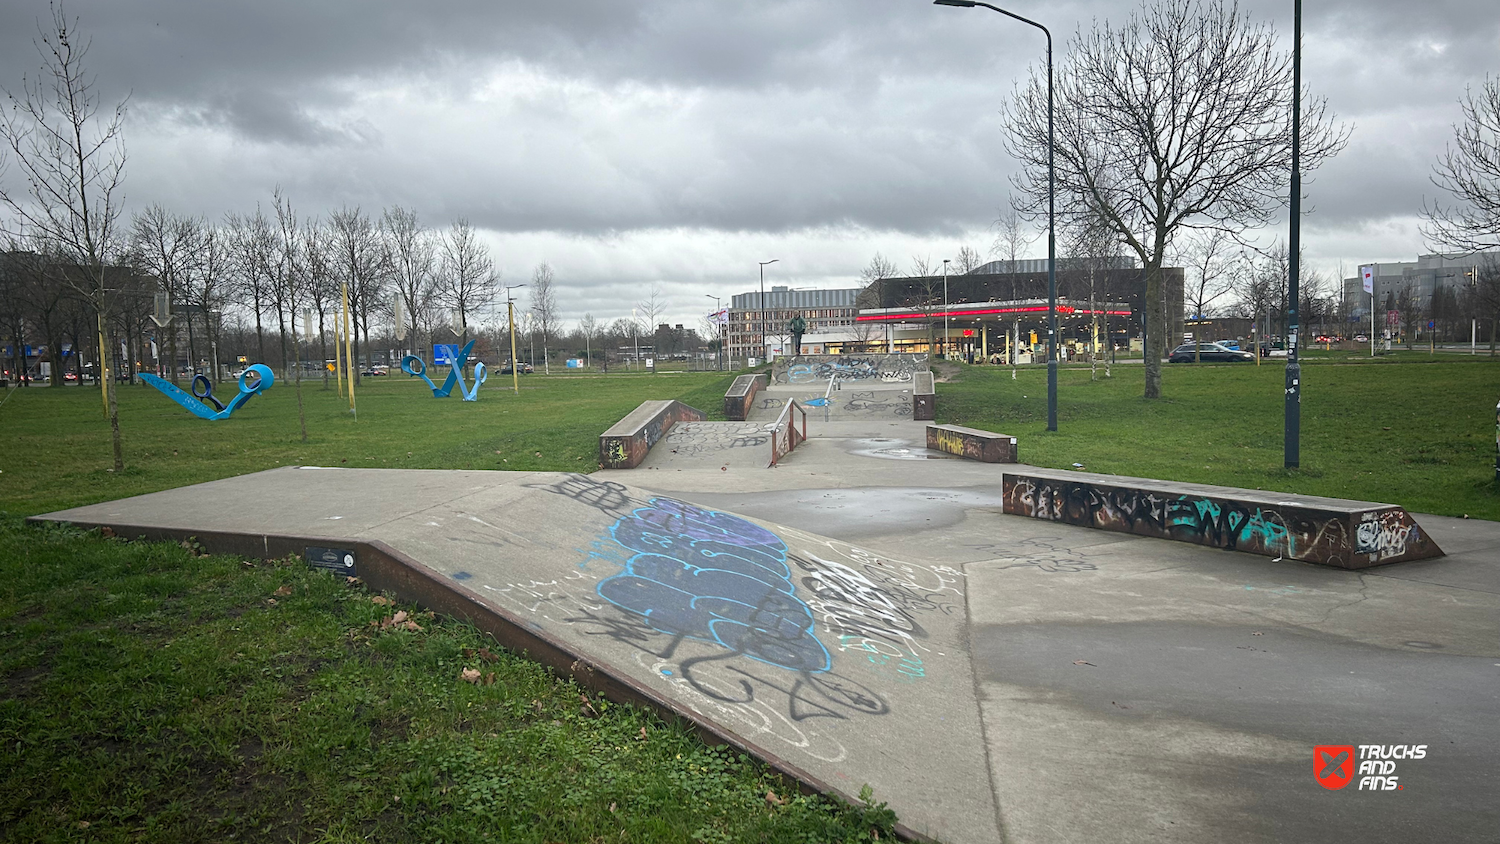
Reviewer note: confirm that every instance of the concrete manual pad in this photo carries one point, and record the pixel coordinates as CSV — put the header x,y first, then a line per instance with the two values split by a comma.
x,y
846,664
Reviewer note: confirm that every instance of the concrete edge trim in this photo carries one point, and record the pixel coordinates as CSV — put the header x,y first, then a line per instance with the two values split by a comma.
x,y
409,579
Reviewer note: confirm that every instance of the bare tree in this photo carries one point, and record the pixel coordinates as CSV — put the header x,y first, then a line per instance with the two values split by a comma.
x,y
1469,171
1176,119
72,161
288,276
543,306
651,308
1209,259
467,281
968,260
589,328
163,245
1012,236
873,296
251,238
362,266
322,283
413,258
1094,249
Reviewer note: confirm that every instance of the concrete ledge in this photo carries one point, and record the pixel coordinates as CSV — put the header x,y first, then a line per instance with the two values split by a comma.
x,y
984,446
388,570
1330,531
628,441
741,396
923,398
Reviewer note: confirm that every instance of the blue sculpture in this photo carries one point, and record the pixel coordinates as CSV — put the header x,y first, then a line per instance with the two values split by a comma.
x,y
253,380
413,365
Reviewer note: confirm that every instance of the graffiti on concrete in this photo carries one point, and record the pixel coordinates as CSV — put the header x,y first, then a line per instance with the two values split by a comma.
x,y
1283,530
607,497
717,578
807,369
1382,535
742,627
1046,554
694,438
878,403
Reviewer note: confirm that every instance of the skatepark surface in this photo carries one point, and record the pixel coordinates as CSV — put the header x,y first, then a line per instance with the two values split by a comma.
x,y
864,613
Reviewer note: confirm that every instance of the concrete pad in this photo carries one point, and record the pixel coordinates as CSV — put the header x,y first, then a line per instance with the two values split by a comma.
x,y
847,665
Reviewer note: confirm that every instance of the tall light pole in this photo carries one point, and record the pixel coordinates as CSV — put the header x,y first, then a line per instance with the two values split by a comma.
x,y
1292,444
1051,210
763,302
510,312
718,328
945,308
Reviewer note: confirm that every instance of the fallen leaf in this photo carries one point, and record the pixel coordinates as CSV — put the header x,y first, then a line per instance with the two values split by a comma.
x,y
413,627
271,601
773,800
1082,662
537,705
85,824
382,601
488,656
353,581
611,807
643,734
470,675
399,617
283,592
247,564
106,532
489,679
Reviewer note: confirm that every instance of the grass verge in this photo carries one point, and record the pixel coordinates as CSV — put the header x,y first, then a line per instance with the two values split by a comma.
x,y
152,694
1419,432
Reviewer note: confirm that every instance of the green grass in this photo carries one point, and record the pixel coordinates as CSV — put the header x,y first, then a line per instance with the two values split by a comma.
x,y
1409,428
57,452
151,694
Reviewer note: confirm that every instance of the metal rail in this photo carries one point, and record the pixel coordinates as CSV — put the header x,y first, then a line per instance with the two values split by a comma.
x,y
792,435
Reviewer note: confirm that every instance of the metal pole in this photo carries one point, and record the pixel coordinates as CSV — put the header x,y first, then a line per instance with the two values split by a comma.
x,y
1293,431
763,306
1051,209
510,316
945,309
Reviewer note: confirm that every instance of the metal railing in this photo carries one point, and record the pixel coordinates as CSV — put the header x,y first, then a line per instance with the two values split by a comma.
x,y
793,437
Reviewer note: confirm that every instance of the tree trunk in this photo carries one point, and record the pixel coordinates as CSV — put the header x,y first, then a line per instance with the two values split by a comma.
x,y
1156,333
322,349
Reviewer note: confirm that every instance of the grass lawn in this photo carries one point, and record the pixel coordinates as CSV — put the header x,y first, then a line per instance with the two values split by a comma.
x,y
1409,429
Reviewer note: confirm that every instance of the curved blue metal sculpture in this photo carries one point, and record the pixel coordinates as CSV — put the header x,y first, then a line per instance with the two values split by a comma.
x,y
413,365
253,380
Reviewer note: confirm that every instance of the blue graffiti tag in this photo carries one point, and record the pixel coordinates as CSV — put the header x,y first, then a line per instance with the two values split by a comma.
x,y
717,578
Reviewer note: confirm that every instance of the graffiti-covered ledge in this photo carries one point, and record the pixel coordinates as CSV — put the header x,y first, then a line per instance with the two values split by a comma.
x,y
628,441
1330,531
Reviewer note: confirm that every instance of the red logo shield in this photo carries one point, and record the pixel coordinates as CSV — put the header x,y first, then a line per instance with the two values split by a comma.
x,y
1333,765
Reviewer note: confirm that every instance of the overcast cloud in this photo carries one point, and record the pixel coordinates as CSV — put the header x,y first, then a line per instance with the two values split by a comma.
x,y
631,143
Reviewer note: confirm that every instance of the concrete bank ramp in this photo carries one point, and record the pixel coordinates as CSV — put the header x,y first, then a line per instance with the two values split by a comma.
x,y
850,403
838,665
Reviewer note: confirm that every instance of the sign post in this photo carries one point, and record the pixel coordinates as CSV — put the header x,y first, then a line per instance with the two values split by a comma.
x,y
1367,277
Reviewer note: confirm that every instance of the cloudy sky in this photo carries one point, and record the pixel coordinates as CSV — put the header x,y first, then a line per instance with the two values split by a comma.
x,y
679,142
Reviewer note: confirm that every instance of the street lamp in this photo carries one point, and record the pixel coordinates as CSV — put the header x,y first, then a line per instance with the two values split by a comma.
x,y
510,311
1291,446
1051,211
763,301
719,327
945,308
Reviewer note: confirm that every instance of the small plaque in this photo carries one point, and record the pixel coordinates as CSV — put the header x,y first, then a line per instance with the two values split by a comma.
x,y
339,560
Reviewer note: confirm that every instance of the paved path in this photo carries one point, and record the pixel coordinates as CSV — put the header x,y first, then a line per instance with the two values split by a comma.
x,y
864,613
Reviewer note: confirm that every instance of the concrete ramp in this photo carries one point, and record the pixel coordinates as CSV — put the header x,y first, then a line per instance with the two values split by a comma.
x,y
838,665
849,403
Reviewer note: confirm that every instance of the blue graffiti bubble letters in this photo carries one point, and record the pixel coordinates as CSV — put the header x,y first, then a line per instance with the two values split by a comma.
x,y
717,578
255,379
413,365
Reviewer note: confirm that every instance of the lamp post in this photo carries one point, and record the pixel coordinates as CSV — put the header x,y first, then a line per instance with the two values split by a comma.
x,y
510,316
1051,210
945,309
763,302
1291,447
718,328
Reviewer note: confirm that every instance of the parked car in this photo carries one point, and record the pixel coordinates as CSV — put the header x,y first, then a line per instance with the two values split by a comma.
x,y
507,368
1214,352
1361,338
375,370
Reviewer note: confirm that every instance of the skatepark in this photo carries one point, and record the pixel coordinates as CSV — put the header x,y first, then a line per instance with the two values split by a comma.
x,y
816,583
